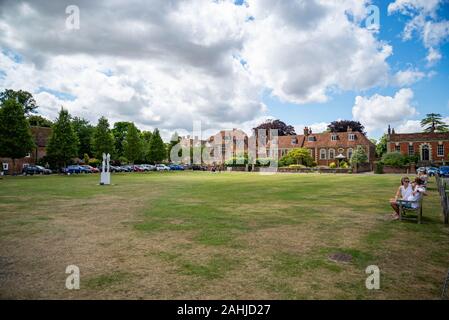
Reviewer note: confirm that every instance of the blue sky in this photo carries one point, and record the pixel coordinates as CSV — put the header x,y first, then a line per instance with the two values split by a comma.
x,y
430,95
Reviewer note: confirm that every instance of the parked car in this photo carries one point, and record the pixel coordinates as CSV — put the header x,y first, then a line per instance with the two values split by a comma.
x,y
431,171
138,168
196,167
32,169
149,167
162,167
90,169
126,168
73,169
443,171
115,169
176,167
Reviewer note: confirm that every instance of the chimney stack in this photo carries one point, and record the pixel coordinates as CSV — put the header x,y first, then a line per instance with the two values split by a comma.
x,y
389,129
306,131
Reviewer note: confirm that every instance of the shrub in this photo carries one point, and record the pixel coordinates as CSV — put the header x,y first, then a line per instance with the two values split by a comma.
x,y
123,160
297,166
379,168
332,165
236,162
359,156
344,165
395,159
297,156
264,162
94,162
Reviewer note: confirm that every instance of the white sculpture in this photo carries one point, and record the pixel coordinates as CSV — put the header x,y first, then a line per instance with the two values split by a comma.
x,y
105,170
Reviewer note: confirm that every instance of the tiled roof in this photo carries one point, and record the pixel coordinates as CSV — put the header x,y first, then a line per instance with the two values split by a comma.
x,y
425,136
323,140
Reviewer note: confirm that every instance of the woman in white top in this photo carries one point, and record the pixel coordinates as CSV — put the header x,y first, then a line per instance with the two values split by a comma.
x,y
404,192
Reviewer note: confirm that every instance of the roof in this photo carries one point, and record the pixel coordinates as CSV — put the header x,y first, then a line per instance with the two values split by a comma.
x,y
419,136
324,140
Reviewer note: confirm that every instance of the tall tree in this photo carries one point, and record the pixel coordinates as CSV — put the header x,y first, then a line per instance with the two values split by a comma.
x,y
39,121
63,142
132,146
24,98
119,131
157,151
85,132
146,138
343,125
15,135
103,141
283,129
433,122
381,146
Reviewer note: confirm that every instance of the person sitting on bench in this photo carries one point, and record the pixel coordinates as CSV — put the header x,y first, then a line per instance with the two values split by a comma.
x,y
405,190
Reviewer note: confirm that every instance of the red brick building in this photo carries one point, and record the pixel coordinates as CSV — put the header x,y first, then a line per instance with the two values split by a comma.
x,y
430,147
40,136
325,147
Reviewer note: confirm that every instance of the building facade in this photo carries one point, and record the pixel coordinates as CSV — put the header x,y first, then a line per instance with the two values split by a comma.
x,y
327,147
41,136
429,147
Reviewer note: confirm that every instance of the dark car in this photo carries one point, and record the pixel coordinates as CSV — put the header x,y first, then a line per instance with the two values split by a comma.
x,y
432,171
127,168
115,169
73,169
443,171
196,167
176,167
32,169
137,168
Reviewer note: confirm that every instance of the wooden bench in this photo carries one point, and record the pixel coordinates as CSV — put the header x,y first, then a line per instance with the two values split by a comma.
x,y
404,209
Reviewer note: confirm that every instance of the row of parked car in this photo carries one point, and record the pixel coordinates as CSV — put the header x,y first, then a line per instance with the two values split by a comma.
x,y
77,169
433,171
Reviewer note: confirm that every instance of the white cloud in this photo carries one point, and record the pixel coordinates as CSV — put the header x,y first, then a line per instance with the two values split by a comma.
x,y
407,77
377,111
432,30
409,126
173,62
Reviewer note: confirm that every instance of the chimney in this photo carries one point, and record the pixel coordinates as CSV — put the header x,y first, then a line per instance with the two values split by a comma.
x,y
389,129
306,131
392,131
310,130
349,129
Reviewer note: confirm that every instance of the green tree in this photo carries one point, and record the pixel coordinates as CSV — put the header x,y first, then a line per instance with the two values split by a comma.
x,y
157,151
359,156
297,156
119,131
381,146
132,146
16,140
433,122
39,121
146,138
63,142
24,98
103,141
85,132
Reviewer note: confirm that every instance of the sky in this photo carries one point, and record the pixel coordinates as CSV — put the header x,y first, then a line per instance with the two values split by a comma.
x,y
230,64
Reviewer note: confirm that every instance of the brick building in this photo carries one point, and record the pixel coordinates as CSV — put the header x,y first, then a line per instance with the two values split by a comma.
x,y
228,144
430,147
40,136
326,147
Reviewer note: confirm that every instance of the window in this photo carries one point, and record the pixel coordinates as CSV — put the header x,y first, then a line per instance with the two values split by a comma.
x,y
397,148
28,155
411,151
322,154
331,154
294,141
311,138
351,137
334,137
440,150
350,153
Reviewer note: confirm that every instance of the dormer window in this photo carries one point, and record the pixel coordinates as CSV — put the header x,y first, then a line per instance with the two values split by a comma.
x,y
351,137
311,138
334,137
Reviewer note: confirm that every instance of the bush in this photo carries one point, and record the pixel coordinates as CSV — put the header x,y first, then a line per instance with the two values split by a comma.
x,y
395,159
332,165
264,162
94,162
123,160
379,168
344,165
297,156
236,162
359,156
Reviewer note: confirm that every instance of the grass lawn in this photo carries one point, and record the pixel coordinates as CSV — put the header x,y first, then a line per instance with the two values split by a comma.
x,y
197,235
